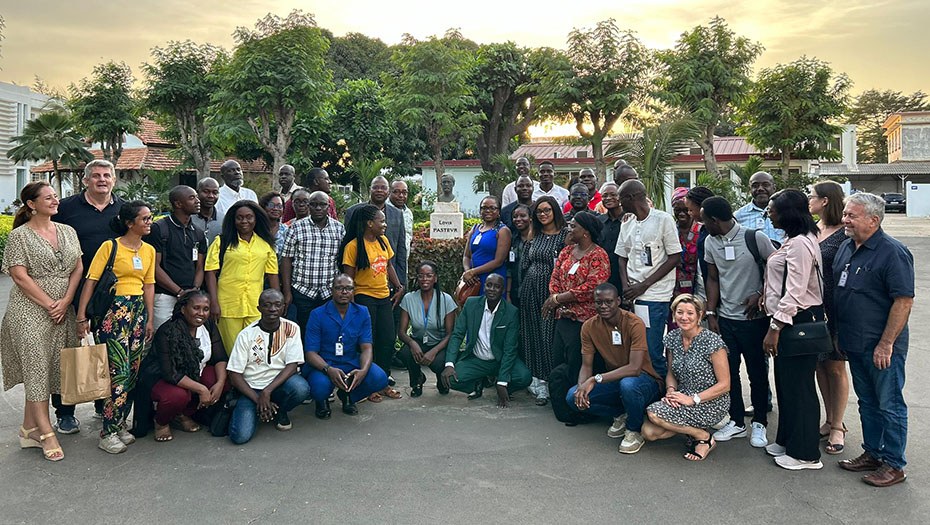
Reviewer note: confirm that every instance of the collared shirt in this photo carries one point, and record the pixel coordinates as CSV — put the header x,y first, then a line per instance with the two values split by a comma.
x,y
326,327
881,270
559,193
92,225
592,205
608,241
646,245
228,197
286,195
260,356
509,195
313,250
242,277
483,344
290,215
597,335
738,275
752,216
408,224
177,244
797,256
212,226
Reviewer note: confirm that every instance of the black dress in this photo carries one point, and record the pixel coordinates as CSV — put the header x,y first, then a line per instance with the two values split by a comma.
x,y
828,248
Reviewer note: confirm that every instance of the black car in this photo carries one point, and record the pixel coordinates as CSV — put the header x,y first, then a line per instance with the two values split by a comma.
x,y
894,202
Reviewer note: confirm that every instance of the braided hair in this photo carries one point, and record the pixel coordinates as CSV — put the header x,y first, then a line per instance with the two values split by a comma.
x,y
186,354
355,230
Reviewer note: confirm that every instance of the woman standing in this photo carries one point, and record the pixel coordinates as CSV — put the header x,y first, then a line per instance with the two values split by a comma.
x,y
430,312
518,242
273,204
371,268
127,324
538,261
826,201
793,287
688,234
488,245
579,269
44,260
237,264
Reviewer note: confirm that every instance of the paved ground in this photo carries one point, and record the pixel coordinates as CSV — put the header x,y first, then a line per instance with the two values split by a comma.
x,y
444,459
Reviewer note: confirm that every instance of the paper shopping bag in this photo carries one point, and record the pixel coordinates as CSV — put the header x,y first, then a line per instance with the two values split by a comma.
x,y
85,374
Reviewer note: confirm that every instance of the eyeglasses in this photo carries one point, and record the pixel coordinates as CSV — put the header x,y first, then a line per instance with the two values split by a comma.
x,y
425,276
343,289
488,208
379,188
148,219
275,206
544,211
302,201
813,196
580,194
603,302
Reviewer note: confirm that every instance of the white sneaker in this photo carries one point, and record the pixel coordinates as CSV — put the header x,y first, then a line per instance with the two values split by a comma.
x,y
730,431
758,438
618,428
788,462
774,449
632,442
112,444
124,436
722,423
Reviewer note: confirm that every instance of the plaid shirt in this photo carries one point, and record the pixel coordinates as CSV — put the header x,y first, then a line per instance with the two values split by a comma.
x,y
314,251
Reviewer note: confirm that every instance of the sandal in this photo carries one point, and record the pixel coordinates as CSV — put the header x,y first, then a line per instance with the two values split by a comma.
x,y
54,454
163,433
391,393
185,423
825,435
375,398
542,401
694,445
836,448
25,441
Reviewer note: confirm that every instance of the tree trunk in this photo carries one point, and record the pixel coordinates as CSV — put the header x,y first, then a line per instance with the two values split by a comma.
x,y
706,142
203,165
785,161
57,175
280,159
600,167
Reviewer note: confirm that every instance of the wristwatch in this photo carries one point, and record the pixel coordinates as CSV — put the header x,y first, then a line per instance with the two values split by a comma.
x,y
774,326
325,369
710,312
598,378
697,399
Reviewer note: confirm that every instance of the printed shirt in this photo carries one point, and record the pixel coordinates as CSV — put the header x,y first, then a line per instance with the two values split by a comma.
x,y
371,281
260,356
592,270
242,277
313,250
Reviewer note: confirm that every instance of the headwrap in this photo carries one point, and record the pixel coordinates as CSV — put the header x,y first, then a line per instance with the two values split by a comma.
x,y
589,222
679,194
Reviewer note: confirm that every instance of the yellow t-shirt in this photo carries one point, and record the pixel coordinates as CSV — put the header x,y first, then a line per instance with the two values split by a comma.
x,y
372,281
129,280
243,275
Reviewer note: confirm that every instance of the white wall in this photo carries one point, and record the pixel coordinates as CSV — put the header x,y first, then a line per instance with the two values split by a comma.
x,y
469,201
17,105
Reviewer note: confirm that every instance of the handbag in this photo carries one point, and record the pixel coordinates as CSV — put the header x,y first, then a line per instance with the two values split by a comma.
x,y
102,297
85,373
808,333
219,425
464,290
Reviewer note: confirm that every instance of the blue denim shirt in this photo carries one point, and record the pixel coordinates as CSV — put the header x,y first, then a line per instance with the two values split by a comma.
x,y
752,216
326,326
878,272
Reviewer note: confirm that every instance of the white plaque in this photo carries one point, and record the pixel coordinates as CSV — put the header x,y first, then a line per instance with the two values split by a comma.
x,y
446,225
446,207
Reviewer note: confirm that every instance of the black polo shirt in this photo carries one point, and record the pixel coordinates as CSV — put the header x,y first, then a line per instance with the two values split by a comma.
x,y
608,242
176,244
92,225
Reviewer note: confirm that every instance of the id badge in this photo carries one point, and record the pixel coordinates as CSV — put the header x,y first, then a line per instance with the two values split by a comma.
x,y
729,253
477,240
194,253
425,338
573,269
684,283
137,263
646,256
615,337
513,256
338,349
843,277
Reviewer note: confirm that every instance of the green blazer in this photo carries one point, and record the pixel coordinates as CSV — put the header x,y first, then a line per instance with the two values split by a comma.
x,y
505,334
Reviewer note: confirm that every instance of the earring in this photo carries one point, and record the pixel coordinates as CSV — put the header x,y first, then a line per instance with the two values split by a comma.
x,y
34,212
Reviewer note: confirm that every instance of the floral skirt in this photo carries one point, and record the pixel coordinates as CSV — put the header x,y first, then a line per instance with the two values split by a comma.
x,y
122,329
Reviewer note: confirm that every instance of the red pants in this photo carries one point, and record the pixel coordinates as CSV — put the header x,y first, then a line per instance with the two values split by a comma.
x,y
173,400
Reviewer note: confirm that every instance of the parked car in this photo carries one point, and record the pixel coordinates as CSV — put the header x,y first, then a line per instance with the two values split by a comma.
x,y
894,202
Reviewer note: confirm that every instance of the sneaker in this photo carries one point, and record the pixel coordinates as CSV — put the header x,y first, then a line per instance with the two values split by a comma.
x,y
632,442
68,425
730,431
111,444
722,423
774,449
282,422
618,429
125,436
758,438
788,462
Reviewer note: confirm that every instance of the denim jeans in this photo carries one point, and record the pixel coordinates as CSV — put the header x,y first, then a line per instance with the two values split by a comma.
x,y
244,418
658,314
630,395
881,406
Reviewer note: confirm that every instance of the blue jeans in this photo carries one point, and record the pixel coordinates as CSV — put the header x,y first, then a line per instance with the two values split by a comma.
x,y
658,315
321,387
630,395
881,406
244,418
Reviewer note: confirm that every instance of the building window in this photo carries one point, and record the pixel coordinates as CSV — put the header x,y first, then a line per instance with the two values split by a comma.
x,y
21,179
581,154
682,179
556,155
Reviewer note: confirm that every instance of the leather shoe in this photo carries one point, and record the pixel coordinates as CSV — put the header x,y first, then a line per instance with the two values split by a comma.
x,y
864,462
479,390
416,391
322,410
885,476
348,407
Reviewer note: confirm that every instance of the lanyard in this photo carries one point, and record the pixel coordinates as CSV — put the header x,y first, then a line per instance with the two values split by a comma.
x,y
426,311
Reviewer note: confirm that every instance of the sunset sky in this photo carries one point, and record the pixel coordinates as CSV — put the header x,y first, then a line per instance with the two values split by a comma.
x,y
879,44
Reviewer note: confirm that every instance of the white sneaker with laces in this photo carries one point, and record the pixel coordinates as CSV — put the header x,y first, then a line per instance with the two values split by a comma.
x,y
730,431
124,436
632,442
722,423
774,449
758,438
618,428
789,463
112,444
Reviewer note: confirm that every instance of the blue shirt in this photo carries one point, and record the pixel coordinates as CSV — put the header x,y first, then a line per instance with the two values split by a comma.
x,y
326,327
878,272
752,216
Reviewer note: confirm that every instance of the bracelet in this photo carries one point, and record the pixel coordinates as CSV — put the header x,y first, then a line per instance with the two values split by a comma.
x,y
325,369
555,298
79,321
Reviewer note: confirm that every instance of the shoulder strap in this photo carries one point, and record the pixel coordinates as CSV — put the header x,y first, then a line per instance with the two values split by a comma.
x,y
112,256
753,247
784,277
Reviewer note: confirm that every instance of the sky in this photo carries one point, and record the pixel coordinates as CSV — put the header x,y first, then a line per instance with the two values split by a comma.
x,y
879,43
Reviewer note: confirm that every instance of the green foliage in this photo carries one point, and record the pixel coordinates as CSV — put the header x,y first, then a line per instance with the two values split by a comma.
x,y
152,187
496,180
50,136
791,107
103,109
364,171
361,119
6,226
869,112
744,171
446,253
357,57
723,187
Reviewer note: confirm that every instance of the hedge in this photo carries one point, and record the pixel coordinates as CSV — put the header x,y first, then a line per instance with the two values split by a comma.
x,y
6,224
446,253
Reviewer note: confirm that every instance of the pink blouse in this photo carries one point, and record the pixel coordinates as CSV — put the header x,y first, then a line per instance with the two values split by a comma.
x,y
802,288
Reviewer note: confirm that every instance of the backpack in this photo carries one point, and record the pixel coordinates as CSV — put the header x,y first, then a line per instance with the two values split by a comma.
x,y
750,238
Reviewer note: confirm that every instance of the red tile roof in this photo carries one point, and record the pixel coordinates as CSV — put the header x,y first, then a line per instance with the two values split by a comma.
x,y
150,133
158,159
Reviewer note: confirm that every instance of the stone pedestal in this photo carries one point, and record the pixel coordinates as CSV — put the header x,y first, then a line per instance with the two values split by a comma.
x,y
446,207
446,225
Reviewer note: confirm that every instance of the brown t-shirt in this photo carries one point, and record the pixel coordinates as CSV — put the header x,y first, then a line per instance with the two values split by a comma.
x,y
597,335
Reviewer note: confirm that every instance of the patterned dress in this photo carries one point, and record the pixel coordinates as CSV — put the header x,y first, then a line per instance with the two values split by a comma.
x,y
695,373
536,332
828,248
30,342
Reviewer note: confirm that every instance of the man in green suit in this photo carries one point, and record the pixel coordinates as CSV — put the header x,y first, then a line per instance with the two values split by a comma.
x,y
491,329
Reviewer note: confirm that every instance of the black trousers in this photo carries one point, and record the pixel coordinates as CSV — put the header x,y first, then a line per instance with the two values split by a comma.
x,y
798,406
305,305
62,410
382,329
566,344
413,368
744,339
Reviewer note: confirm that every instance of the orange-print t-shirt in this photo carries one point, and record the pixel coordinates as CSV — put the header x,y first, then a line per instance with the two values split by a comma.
x,y
371,281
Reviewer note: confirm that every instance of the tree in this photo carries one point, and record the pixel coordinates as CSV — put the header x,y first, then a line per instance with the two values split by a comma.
x,y
178,87
356,57
103,109
50,136
276,70
361,119
745,171
601,74
707,75
870,111
791,106
431,91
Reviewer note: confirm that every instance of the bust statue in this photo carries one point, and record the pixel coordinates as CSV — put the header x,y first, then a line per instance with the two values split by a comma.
x,y
446,185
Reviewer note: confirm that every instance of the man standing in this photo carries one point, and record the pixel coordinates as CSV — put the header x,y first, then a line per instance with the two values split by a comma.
x,y
612,220
734,285
874,293
752,215
209,219
286,176
89,213
396,233
524,189
308,258
318,180
587,177
232,190
509,194
647,251
491,328
547,187
398,200
180,248
578,201
629,383
263,368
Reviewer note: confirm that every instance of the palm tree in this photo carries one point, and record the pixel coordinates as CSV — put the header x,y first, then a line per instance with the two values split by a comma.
x,y
50,136
744,171
651,152
365,171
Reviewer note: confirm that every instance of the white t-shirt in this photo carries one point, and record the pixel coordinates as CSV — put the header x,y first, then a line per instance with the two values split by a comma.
x,y
260,362
646,245
559,193
228,197
206,346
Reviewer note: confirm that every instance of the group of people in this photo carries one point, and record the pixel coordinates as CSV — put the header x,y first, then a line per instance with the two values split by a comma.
x,y
590,298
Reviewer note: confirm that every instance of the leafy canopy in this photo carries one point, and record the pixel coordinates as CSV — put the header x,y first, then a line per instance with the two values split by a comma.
x,y
103,108
50,136
869,112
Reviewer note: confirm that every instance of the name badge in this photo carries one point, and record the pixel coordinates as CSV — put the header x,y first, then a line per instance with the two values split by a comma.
x,y
194,253
615,337
425,338
843,277
513,256
573,269
339,348
477,240
729,253
684,284
646,256
137,263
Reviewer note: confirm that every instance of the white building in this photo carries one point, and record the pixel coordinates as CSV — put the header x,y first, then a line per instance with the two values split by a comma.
x,y
18,104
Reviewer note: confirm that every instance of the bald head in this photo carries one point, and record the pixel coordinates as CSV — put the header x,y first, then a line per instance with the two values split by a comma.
x,y
633,196
624,172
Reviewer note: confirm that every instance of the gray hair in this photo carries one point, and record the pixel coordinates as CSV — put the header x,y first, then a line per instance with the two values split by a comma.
x,y
89,168
206,180
873,204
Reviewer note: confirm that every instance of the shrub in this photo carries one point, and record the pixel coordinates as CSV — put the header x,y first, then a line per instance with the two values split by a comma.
x,y
446,253
6,224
